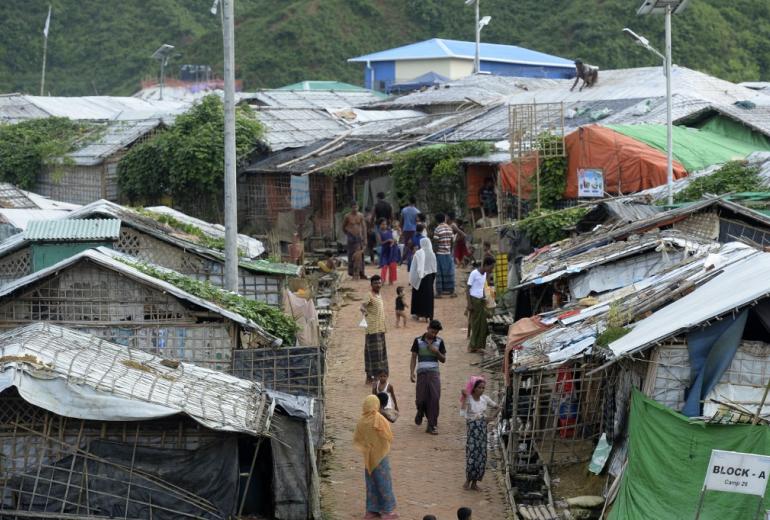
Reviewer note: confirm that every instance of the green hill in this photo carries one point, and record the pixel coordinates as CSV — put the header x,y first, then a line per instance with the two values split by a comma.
x,y
99,46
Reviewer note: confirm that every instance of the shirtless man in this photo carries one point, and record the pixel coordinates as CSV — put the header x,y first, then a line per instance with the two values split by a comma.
x,y
354,227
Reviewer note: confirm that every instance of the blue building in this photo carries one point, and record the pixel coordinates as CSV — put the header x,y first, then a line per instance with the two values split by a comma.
x,y
454,60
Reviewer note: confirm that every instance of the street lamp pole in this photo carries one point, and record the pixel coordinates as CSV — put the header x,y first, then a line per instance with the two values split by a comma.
x,y
669,116
231,201
477,59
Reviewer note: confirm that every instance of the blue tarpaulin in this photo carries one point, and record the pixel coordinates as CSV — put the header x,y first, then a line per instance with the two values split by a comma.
x,y
711,351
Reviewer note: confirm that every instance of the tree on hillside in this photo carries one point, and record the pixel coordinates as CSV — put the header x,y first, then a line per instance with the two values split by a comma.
x,y
186,162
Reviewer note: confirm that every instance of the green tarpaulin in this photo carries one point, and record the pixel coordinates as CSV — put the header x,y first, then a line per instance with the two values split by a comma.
x,y
667,459
695,149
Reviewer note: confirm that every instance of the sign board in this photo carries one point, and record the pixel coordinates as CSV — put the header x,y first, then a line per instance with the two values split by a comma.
x,y
590,182
737,472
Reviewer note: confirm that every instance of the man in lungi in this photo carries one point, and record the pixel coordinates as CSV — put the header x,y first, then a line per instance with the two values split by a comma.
x,y
477,304
445,276
375,351
428,351
354,227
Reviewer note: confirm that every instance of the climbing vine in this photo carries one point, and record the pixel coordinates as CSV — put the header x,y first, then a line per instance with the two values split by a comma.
x,y
351,165
26,147
553,171
434,170
186,162
546,227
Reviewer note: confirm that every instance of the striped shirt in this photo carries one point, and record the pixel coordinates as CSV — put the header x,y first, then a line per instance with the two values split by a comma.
x,y
443,236
427,361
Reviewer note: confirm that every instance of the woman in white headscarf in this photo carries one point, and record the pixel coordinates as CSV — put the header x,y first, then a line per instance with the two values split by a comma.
x,y
422,274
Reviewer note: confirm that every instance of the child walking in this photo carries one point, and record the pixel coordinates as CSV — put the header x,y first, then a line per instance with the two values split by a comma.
x,y
400,306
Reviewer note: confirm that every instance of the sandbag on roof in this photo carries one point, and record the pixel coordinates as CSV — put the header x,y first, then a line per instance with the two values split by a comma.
x,y
695,148
629,165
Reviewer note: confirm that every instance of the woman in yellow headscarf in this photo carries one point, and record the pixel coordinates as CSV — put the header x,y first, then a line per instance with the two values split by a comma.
x,y
372,438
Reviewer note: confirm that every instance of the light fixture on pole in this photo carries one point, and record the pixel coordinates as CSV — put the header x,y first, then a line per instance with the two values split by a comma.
x,y
162,55
477,58
667,8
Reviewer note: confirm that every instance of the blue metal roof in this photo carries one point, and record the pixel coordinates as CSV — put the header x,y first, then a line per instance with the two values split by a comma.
x,y
440,48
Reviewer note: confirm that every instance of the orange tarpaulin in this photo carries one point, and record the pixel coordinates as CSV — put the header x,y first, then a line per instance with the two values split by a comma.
x,y
508,172
475,175
512,171
629,165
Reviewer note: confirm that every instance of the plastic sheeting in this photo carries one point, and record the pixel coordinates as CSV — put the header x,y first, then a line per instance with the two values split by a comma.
x,y
122,470
695,149
629,165
711,351
623,273
294,490
79,401
667,461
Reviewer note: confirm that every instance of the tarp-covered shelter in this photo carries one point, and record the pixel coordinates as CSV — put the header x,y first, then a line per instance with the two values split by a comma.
x,y
629,165
92,429
667,461
698,148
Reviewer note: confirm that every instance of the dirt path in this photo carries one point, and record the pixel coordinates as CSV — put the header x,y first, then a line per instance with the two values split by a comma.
x,y
428,471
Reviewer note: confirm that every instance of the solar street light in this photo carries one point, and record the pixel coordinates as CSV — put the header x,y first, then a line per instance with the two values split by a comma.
x,y
642,42
667,8
477,59
484,22
661,6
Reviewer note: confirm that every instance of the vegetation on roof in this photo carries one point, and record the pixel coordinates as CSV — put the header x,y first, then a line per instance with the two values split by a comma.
x,y
26,147
186,162
272,319
546,226
735,176
190,229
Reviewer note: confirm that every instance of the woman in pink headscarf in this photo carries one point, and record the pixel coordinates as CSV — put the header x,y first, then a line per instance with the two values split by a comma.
x,y
473,406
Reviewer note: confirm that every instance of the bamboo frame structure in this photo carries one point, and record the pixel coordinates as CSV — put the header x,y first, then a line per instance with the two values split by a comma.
x,y
49,470
555,418
527,122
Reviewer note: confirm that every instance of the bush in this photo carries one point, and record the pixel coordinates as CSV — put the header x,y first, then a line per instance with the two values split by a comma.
x,y
187,161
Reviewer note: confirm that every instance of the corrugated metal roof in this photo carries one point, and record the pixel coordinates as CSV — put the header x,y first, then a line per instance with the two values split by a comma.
x,y
741,283
20,218
112,138
216,400
329,85
573,335
323,99
642,83
293,127
442,48
66,229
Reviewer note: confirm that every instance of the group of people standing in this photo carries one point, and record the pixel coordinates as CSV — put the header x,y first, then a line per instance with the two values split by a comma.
x,y
373,435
